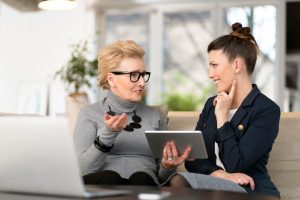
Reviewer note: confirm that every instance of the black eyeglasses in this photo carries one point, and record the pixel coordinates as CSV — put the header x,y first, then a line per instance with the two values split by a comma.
x,y
135,76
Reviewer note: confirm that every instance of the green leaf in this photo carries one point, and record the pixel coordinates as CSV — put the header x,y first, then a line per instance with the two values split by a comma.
x,y
78,71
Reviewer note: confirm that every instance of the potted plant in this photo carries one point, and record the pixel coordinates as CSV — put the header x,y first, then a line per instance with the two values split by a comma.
x,y
182,102
78,71
77,75
188,101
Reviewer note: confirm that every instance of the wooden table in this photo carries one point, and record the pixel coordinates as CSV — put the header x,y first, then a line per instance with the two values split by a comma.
x,y
175,194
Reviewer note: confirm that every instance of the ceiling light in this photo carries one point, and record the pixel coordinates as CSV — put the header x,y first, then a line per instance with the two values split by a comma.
x,y
57,4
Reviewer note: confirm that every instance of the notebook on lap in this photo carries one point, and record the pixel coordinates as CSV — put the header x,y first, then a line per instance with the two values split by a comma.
x,y
37,156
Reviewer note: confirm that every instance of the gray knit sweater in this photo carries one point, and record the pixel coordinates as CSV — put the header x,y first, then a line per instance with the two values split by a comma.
x,y
131,152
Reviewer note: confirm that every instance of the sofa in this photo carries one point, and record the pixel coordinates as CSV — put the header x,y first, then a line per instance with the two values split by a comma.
x,y
284,161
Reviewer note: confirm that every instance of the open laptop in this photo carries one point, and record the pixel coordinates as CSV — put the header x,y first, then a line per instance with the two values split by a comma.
x,y
37,156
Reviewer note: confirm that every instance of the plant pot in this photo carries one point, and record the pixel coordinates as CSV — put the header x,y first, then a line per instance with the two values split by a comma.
x,y
74,103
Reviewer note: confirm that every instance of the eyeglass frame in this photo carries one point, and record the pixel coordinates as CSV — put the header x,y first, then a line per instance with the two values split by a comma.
x,y
143,74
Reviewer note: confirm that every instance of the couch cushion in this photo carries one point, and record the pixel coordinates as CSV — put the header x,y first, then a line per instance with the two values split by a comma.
x,y
183,120
284,162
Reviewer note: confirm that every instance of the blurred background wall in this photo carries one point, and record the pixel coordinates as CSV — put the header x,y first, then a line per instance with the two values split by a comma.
x,y
35,43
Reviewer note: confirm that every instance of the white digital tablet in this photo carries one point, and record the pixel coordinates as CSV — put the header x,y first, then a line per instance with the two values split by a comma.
x,y
158,139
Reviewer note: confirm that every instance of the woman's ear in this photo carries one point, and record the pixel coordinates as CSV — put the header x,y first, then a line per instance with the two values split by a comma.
x,y
110,80
237,65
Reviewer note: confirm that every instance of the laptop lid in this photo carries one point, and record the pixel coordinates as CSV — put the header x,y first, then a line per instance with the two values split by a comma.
x,y
37,156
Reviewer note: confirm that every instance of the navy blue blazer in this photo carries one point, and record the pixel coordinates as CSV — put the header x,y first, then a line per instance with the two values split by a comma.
x,y
244,143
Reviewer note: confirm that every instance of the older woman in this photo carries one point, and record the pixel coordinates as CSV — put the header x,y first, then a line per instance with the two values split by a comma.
x,y
239,124
109,135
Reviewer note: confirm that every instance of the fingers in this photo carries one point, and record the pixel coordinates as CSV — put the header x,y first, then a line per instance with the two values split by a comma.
x,y
252,184
120,122
223,103
224,95
176,155
249,181
169,154
220,97
167,158
165,154
186,154
106,116
244,179
171,157
173,148
241,181
116,123
179,159
215,100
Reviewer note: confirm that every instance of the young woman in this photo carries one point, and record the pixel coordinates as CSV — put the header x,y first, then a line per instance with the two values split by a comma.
x,y
239,124
109,135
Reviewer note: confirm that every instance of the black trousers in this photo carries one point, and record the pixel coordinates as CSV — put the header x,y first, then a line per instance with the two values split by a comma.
x,y
109,177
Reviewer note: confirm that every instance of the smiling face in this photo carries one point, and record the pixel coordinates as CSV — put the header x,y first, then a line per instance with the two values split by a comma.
x,y
121,84
221,71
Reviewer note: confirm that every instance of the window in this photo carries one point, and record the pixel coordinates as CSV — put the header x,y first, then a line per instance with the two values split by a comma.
x,y
128,26
186,36
262,21
178,40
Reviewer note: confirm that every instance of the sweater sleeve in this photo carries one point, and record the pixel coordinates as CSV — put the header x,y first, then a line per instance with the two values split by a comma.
x,y
164,174
90,158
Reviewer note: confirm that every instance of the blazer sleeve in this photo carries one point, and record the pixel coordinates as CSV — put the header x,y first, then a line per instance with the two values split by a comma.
x,y
203,166
239,155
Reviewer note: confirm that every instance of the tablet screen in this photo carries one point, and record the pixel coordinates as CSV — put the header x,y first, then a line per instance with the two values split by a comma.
x,y
158,139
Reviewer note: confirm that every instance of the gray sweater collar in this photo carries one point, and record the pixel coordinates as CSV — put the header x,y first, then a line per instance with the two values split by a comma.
x,y
117,104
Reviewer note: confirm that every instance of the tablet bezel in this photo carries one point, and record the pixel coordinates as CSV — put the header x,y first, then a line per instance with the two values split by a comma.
x,y
158,138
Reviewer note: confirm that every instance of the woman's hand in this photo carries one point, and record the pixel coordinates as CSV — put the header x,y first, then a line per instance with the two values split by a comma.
x,y
115,123
238,178
223,103
171,158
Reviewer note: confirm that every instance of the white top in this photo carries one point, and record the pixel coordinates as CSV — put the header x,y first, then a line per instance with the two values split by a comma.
x,y
219,162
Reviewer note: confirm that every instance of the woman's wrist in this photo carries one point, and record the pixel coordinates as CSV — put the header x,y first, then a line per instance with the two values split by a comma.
x,y
221,120
168,167
101,146
219,173
107,136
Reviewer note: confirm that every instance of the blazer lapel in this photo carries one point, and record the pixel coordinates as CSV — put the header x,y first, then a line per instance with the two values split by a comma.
x,y
242,112
238,117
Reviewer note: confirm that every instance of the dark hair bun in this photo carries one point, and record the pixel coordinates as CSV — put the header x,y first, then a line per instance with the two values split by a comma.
x,y
237,27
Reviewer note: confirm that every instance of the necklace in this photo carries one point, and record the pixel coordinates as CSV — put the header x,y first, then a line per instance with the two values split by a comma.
x,y
133,125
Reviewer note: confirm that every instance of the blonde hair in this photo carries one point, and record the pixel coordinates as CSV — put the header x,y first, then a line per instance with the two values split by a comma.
x,y
110,57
